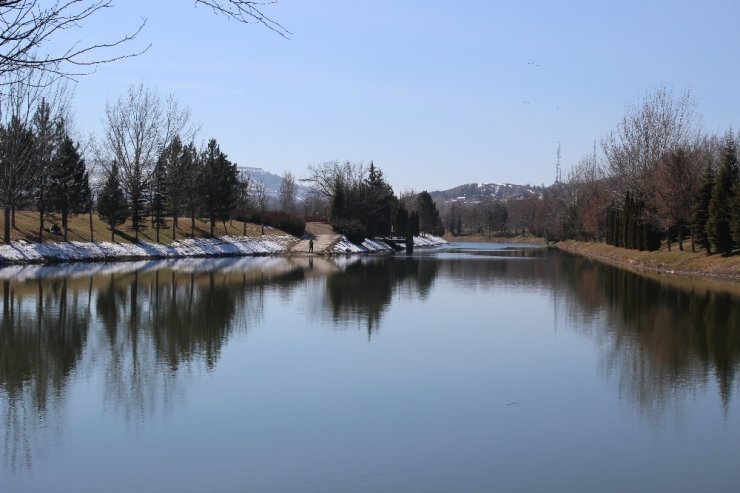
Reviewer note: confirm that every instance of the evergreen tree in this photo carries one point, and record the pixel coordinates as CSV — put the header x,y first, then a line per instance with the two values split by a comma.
x,y
337,209
70,182
158,195
429,221
402,222
735,214
137,199
219,184
46,141
720,206
700,210
377,203
112,206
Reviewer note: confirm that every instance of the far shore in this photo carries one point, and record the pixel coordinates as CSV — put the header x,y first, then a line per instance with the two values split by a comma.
x,y
485,238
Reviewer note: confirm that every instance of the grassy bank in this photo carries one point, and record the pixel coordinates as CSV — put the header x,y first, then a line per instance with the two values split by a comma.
x,y
674,262
484,238
27,228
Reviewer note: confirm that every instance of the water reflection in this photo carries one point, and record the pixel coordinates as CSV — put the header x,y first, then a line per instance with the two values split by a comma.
x,y
660,339
143,327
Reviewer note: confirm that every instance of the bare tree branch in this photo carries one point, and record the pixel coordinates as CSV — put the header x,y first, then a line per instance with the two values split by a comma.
x,y
247,12
27,28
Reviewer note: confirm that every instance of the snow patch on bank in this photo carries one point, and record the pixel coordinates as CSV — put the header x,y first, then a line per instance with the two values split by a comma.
x,y
19,252
376,246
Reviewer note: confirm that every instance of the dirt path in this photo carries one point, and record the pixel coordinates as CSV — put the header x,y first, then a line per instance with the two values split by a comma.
x,y
323,239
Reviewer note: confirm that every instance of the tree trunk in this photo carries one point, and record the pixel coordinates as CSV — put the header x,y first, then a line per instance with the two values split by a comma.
x,y
668,237
192,223
693,245
680,237
6,225
212,221
113,234
92,232
12,217
65,214
174,226
244,233
41,224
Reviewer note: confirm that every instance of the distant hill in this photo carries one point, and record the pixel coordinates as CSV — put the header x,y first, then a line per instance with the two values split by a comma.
x,y
273,182
476,192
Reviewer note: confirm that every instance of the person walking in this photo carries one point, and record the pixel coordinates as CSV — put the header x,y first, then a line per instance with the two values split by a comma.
x,y
310,245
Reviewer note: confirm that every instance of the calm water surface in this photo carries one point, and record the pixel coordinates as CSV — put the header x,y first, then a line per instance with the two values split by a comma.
x,y
473,368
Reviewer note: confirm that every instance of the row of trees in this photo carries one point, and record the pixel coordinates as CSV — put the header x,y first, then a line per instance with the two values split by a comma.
x,y
361,203
658,174
41,166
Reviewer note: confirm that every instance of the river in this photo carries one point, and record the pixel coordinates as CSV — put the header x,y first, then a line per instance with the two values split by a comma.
x,y
473,367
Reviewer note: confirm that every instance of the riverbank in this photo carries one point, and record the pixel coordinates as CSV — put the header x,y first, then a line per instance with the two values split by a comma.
x,y
674,262
277,243
484,238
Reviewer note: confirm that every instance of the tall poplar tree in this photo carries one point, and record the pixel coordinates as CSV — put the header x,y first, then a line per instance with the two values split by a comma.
x,y
720,206
700,210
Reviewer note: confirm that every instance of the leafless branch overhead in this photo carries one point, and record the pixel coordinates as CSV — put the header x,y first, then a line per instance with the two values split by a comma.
x,y
248,12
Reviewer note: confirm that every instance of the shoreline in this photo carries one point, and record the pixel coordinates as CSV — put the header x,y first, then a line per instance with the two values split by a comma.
x,y
675,263
24,252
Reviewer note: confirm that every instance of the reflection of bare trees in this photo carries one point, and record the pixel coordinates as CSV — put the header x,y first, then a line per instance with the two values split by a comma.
x,y
660,341
155,326
42,334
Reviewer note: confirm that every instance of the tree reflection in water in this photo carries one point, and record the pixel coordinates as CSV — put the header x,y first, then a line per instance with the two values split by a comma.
x,y
661,340
364,290
145,326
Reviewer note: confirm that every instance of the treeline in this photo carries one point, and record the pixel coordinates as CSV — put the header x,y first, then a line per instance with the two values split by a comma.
x,y
146,169
360,203
655,179
658,179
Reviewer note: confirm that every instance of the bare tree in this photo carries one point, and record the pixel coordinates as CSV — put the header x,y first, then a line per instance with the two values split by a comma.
x,y
244,202
19,167
260,195
137,127
659,124
287,193
27,28
325,177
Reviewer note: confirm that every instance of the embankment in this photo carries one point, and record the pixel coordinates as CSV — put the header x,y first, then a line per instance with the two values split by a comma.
x,y
674,262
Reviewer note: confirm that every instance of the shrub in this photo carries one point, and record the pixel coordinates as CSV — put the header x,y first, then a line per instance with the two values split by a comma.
x,y
352,229
289,223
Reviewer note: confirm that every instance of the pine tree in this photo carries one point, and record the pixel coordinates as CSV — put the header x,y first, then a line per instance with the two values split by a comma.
x,y
720,205
112,206
46,141
219,184
70,183
158,194
735,213
428,213
700,210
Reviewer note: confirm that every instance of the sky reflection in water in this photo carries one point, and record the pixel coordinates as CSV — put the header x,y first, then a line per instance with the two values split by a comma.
x,y
471,368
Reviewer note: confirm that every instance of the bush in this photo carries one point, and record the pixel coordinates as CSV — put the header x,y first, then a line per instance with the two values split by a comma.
x,y
352,229
289,223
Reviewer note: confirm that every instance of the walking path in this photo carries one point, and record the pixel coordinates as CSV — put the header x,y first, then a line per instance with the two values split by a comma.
x,y
323,239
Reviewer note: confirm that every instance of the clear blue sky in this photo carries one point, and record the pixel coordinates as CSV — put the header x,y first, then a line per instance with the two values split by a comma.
x,y
433,91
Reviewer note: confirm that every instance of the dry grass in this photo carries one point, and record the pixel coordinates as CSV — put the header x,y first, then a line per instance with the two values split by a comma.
x,y
484,238
664,261
27,228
